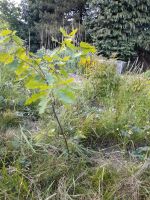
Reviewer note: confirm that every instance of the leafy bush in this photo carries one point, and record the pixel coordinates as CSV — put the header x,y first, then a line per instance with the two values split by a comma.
x,y
13,94
119,114
103,78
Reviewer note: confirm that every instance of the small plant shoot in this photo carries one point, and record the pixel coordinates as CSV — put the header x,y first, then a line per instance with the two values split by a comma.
x,y
45,75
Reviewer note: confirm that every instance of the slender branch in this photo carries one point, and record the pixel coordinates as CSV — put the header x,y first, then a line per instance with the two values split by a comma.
x,y
60,126
28,63
56,117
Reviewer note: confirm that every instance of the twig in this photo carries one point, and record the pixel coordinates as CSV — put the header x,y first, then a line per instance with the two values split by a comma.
x,y
60,126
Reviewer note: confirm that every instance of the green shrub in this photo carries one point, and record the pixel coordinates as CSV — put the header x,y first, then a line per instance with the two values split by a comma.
x,y
13,94
119,114
104,80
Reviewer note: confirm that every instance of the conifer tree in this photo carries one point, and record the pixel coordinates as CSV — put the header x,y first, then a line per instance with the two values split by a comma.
x,y
120,26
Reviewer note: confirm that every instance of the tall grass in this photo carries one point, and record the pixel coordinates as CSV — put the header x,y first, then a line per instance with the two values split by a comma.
x,y
108,132
34,170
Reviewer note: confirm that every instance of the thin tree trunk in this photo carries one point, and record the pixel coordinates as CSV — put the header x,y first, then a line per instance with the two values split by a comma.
x,y
61,129
29,40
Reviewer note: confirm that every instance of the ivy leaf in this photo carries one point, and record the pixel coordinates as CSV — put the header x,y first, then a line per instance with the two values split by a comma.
x,y
21,69
65,95
43,104
66,82
66,58
6,58
48,58
87,47
70,45
63,31
34,84
73,32
5,32
5,40
35,97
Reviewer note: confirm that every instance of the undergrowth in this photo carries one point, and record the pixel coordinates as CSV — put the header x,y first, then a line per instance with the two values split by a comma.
x,y
108,133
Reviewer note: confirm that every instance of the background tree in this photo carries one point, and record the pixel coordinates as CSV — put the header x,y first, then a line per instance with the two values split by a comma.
x,y
37,21
121,27
12,15
44,19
